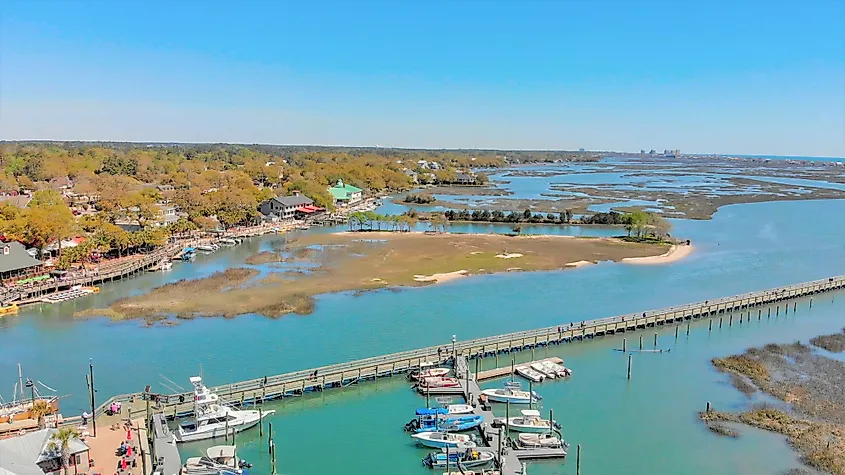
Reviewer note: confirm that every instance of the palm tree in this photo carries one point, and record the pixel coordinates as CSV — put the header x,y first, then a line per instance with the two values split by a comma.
x,y
39,410
61,441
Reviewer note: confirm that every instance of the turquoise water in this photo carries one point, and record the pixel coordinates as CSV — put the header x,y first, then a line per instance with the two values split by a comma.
x,y
645,426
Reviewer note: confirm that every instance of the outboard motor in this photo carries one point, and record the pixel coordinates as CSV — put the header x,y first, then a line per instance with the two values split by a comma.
x,y
412,425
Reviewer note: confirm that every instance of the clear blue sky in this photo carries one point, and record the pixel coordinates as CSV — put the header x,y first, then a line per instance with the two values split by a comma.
x,y
742,76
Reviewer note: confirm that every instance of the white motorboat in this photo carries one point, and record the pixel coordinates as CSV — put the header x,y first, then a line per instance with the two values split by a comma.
x,y
431,373
530,421
551,369
439,382
470,458
544,441
459,408
218,460
212,419
439,440
511,393
227,241
208,247
530,374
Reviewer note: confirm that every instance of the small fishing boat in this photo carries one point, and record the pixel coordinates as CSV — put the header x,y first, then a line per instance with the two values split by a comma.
x,y
459,408
74,293
530,374
9,309
430,373
551,369
440,440
208,247
218,460
429,420
530,421
228,241
474,472
540,441
162,266
511,393
470,458
439,382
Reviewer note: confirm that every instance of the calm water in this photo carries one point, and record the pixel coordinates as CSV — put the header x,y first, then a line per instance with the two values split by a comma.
x,y
645,426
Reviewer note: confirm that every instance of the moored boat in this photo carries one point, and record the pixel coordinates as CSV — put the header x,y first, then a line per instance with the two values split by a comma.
x,y
530,421
511,393
218,460
212,419
439,382
208,247
471,458
530,374
459,408
440,440
430,373
551,369
429,420
540,441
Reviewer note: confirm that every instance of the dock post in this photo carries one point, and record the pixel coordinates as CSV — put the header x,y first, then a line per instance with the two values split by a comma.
x,y
769,313
226,431
731,320
477,359
777,310
710,329
552,422
630,357
720,322
578,461
270,439
501,459
759,315
676,331
794,306
508,416
427,395
655,340
260,422
687,329
641,342
708,407
530,394
811,302
624,345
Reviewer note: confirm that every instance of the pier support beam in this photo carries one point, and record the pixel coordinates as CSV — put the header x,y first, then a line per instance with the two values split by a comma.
x,y
630,359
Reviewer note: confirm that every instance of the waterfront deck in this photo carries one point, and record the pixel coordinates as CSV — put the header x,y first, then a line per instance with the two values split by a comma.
x,y
757,305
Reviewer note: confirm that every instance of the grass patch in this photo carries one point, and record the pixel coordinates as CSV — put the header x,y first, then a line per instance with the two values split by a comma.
x,y
834,343
744,365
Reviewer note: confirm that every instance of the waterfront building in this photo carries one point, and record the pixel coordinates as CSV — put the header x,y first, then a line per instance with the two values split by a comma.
x,y
284,207
34,454
345,194
15,262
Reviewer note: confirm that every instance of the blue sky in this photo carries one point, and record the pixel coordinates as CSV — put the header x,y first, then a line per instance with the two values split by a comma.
x,y
743,76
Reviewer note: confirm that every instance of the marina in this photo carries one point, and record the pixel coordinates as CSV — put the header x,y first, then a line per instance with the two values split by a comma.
x,y
718,311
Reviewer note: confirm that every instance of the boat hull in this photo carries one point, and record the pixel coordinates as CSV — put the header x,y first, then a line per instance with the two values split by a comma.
x,y
219,431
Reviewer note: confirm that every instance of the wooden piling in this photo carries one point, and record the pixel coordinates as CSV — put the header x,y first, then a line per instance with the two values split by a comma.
x,y
731,320
759,315
260,422
720,322
769,313
655,340
710,328
676,331
624,345
687,329
641,342
811,302
630,358
578,461
708,407
270,438
777,311
794,306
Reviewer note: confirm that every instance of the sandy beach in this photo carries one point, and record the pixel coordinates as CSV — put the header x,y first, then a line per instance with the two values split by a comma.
x,y
441,277
675,253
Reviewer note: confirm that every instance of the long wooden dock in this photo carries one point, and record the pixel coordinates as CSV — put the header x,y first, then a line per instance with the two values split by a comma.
x,y
343,374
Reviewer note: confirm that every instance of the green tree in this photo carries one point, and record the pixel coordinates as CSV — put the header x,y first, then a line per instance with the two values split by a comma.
x,y
60,441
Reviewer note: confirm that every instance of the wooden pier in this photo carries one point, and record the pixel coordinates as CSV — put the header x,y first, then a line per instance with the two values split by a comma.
x,y
256,391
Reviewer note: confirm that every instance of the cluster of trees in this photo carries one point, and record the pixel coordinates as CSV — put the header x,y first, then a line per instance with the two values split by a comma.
x,y
419,198
497,216
372,221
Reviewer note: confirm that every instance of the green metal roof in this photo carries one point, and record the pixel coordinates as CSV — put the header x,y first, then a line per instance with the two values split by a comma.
x,y
341,191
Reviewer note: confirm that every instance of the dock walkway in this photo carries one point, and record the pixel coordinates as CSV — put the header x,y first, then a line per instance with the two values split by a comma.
x,y
778,300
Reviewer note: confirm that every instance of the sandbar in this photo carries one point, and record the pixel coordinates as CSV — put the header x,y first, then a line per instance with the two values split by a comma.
x,y
674,254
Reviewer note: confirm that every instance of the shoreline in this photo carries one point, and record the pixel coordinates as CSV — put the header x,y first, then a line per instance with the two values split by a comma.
x,y
675,253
